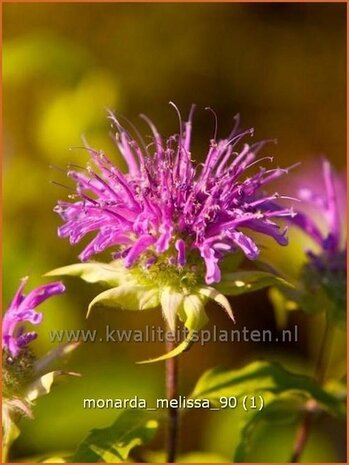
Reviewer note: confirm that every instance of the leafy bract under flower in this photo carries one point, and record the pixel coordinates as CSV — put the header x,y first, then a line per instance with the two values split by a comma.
x,y
184,299
170,209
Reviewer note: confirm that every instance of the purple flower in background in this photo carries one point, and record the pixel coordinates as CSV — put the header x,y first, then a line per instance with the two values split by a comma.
x,y
169,206
329,207
22,309
323,276
24,377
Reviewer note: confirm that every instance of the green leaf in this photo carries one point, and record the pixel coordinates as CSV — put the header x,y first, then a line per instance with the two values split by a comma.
x,y
113,444
278,409
93,272
242,282
259,377
231,262
284,395
284,408
128,297
338,388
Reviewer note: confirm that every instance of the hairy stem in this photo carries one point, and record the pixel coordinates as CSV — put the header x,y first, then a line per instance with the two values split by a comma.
x,y
171,392
304,429
302,436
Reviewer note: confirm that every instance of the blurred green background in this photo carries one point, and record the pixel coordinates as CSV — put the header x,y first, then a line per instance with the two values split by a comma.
x,y
281,66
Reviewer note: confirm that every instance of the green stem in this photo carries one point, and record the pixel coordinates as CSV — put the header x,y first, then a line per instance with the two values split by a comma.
x,y
324,353
304,429
171,391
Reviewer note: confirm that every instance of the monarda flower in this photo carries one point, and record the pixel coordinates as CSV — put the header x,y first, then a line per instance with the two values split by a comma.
x,y
22,309
25,377
323,219
169,221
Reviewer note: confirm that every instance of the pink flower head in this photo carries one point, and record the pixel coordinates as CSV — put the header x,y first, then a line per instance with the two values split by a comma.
x,y
325,203
22,309
169,205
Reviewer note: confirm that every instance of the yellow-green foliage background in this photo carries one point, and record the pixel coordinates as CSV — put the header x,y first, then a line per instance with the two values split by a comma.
x,y
281,66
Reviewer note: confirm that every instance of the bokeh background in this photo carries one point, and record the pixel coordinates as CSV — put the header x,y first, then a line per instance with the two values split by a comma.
x,y
281,66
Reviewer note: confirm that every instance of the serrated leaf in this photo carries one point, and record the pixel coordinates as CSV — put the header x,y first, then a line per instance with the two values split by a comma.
x,y
114,443
128,297
260,377
284,393
242,282
93,272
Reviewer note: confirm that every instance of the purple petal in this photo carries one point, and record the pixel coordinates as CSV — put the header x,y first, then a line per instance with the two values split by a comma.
x,y
40,294
180,247
213,273
269,229
165,238
18,298
246,244
22,309
171,203
139,246
332,206
324,204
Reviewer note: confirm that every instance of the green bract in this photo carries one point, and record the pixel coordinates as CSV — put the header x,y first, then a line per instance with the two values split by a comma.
x,y
177,293
180,293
